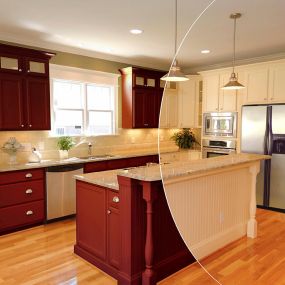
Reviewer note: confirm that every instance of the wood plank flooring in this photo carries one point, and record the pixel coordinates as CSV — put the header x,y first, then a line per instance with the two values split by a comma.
x,y
44,256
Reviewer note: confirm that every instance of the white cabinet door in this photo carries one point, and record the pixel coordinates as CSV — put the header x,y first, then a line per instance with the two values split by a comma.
x,y
227,98
211,90
187,103
277,83
169,109
256,84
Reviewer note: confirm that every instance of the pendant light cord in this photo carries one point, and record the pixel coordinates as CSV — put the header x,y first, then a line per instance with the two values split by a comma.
x,y
234,47
175,26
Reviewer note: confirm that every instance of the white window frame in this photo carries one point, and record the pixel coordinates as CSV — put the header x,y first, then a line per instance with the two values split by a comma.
x,y
84,77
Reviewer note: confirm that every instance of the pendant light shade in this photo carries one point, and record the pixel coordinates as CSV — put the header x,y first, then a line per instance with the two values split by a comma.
x,y
175,74
233,83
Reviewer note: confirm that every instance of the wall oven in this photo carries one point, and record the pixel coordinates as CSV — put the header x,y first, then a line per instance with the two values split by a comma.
x,y
212,148
220,124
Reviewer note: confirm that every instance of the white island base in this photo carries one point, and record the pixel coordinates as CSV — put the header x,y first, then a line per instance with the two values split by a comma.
x,y
215,203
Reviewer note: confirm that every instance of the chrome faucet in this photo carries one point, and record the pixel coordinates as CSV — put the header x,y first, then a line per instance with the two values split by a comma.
x,y
89,148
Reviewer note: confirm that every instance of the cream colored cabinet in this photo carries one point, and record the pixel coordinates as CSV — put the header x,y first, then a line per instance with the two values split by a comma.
x,y
169,109
190,103
276,89
216,99
256,85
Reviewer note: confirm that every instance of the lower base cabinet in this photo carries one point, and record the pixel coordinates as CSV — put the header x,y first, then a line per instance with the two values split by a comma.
x,y
97,222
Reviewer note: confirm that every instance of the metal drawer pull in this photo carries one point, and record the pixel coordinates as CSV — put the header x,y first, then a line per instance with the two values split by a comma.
x,y
116,199
29,213
29,191
29,175
108,212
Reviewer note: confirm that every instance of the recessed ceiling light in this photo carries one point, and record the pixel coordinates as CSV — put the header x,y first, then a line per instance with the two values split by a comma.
x,y
204,51
136,31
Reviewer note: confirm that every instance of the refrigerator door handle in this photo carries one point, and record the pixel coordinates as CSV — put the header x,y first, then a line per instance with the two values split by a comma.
x,y
270,135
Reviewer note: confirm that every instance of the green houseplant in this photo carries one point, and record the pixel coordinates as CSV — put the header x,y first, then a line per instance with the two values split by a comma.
x,y
64,144
184,139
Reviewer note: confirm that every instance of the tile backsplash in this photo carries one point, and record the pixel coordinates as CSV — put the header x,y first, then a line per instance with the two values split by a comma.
x,y
126,141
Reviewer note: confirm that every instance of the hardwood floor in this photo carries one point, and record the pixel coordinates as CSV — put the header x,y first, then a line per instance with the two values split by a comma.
x,y
44,256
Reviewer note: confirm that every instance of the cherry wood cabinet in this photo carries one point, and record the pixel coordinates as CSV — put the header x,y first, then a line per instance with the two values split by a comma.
x,y
119,163
24,89
22,195
141,97
98,223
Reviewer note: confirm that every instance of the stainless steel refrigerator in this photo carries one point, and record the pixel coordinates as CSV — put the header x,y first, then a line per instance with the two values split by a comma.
x,y
263,132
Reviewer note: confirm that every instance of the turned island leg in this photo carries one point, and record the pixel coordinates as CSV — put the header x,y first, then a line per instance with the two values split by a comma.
x,y
252,224
149,195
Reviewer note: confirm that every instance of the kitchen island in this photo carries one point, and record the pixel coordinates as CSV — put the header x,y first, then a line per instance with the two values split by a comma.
x,y
125,228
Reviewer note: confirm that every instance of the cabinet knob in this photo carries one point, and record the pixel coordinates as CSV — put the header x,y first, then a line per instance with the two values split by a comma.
x,y
271,98
116,199
20,69
30,126
109,212
29,213
145,124
29,191
29,175
265,99
22,126
28,70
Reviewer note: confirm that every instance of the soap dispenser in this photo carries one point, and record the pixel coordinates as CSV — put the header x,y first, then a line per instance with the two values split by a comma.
x,y
35,156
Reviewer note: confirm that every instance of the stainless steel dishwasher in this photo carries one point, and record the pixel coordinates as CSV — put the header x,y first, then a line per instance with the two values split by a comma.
x,y
61,200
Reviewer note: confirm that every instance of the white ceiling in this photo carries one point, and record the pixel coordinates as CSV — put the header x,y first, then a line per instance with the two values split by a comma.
x,y
101,29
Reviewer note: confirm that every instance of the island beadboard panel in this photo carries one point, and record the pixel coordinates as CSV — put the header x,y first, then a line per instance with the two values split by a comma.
x,y
214,209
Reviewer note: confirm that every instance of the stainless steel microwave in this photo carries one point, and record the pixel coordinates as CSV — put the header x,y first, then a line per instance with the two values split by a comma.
x,y
220,124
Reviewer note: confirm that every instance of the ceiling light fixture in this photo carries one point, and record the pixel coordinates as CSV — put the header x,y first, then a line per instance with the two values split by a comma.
x,y
205,51
136,31
175,74
233,83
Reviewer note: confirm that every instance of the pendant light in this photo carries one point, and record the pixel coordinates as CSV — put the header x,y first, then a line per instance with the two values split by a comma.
x,y
175,74
233,83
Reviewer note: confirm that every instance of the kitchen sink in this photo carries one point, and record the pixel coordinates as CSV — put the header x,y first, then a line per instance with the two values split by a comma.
x,y
99,156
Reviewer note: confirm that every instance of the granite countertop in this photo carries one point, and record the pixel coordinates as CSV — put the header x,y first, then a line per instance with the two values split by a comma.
x,y
169,170
75,160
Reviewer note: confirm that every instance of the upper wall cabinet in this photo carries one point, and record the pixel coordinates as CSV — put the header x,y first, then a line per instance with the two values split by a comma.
x,y
24,89
190,103
216,99
141,97
264,83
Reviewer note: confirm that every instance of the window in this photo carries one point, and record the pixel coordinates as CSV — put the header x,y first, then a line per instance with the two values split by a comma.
x,y
82,108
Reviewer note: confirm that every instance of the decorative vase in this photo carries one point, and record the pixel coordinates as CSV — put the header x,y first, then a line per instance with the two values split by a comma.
x,y
13,158
63,154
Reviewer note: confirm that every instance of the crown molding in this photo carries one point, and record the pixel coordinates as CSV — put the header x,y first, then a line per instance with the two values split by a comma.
x,y
246,61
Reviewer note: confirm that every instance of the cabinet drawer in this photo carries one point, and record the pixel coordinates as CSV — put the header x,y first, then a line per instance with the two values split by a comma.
x,y
113,199
22,175
95,166
22,192
21,215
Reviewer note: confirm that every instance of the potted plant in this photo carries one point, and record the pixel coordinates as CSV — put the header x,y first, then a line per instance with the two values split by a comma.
x,y
185,139
64,144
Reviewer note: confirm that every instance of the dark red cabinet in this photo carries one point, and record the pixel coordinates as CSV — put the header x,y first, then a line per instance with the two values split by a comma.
x,y
24,89
22,195
38,103
140,97
98,223
11,102
91,218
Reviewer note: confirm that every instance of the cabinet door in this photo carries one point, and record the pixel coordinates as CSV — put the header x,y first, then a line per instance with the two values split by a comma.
x,y
38,103
12,64
163,122
211,89
277,83
144,108
91,218
187,104
169,109
228,98
114,241
37,67
11,102
256,84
